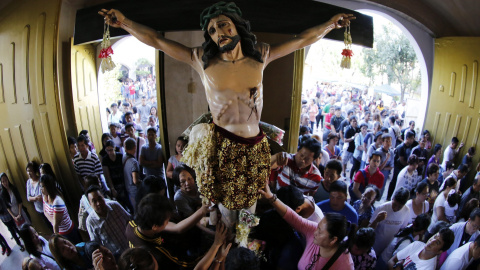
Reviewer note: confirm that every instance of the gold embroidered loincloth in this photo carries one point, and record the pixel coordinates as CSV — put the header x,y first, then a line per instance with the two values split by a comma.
x,y
230,169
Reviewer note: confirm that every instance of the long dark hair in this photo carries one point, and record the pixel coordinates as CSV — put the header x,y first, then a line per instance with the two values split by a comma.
x,y
247,41
420,223
27,238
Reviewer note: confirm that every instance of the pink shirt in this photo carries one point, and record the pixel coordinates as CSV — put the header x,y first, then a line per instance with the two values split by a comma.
x,y
307,228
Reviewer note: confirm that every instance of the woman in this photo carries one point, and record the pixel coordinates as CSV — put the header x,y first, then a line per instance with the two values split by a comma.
x,y
55,210
34,194
419,205
312,113
105,137
406,236
380,106
45,168
13,201
153,112
68,255
187,198
365,206
435,158
175,160
428,137
408,176
325,248
37,247
438,207
332,149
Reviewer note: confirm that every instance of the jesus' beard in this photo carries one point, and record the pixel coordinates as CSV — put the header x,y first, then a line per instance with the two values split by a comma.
x,y
230,46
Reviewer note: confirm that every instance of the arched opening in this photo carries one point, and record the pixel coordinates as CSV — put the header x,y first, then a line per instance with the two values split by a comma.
x,y
322,71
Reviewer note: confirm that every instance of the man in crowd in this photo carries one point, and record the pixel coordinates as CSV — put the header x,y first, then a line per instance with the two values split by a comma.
x,y
115,116
371,175
333,172
131,170
421,154
107,223
451,151
151,155
463,256
402,152
298,170
337,202
139,141
143,112
465,231
473,192
72,147
350,134
87,163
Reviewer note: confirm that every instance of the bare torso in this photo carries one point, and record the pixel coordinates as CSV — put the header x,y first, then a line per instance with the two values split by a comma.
x,y
234,93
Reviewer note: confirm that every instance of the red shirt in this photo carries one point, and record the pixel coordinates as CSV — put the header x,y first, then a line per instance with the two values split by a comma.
x,y
375,179
328,116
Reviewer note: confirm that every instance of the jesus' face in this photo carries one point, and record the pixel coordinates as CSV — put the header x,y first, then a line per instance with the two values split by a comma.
x,y
223,32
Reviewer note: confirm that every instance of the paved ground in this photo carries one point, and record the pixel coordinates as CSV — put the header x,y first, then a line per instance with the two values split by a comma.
x,y
14,261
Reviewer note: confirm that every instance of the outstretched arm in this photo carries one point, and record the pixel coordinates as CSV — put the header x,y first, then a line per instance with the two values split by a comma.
x,y
309,36
147,35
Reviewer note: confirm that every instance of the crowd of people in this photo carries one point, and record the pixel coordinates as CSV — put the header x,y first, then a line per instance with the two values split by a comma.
x,y
135,214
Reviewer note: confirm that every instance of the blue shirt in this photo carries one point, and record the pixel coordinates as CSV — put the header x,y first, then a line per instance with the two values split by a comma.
x,y
348,211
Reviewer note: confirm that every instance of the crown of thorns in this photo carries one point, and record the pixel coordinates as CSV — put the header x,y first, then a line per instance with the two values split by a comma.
x,y
217,9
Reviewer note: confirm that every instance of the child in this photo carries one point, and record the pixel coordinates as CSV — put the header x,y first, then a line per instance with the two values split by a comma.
x,y
451,206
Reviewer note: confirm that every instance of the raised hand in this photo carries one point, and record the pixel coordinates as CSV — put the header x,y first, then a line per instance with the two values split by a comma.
x,y
113,17
342,20
266,193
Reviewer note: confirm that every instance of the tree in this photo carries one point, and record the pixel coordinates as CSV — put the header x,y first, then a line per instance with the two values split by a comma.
x,y
392,57
142,67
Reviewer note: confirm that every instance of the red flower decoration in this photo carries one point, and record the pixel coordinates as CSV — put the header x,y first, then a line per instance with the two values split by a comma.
x,y
104,53
347,53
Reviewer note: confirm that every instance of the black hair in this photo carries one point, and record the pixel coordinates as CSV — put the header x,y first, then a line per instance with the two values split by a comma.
x,y
401,195
477,241
392,119
455,140
338,186
411,122
127,113
475,213
180,138
334,164
110,143
291,196
412,159
463,168
313,146
453,199
247,41
350,112
92,188
49,185
152,210
376,189
134,109
83,132
468,208
353,117
179,169
83,139
136,258
241,258
71,140
105,135
331,136
364,238
151,184
130,143
425,132
33,165
409,134
129,125
152,129
375,153
432,168
113,105
420,223
27,238
303,129
448,238
471,151
449,182
437,148
91,180
421,186
437,227
338,226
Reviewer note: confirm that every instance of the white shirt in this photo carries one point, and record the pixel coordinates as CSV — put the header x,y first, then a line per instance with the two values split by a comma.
x,y
404,179
439,202
412,261
448,155
458,259
389,252
458,229
386,230
317,215
450,212
425,209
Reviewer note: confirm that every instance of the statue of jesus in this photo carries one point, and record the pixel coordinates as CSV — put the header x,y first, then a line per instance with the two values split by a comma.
x,y
231,156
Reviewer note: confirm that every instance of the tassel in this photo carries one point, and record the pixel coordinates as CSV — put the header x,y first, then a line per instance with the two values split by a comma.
x,y
347,53
106,51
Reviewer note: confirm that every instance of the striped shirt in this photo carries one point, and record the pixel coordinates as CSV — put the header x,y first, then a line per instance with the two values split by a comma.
x,y
58,207
290,174
89,166
110,230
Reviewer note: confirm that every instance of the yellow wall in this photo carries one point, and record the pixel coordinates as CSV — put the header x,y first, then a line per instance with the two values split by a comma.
x,y
31,125
454,102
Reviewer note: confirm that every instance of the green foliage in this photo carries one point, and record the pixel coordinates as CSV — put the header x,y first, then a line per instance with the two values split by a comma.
x,y
111,85
392,57
142,67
